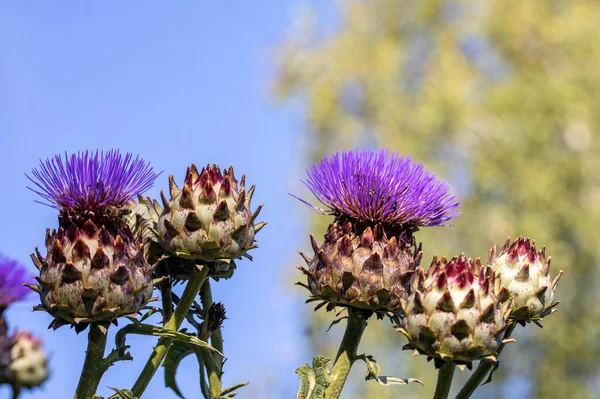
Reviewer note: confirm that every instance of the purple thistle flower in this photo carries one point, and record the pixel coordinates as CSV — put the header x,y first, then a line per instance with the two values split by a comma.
x,y
12,277
88,181
379,187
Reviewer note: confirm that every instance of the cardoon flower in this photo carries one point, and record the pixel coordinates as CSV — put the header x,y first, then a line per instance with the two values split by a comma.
x,y
208,220
454,314
12,278
94,269
379,200
375,187
91,182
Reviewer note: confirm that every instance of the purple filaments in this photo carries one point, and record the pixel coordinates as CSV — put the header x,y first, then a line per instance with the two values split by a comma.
x,y
12,277
91,180
379,187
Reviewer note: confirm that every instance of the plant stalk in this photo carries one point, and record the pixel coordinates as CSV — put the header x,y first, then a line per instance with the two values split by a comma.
x,y
346,354
213,363
483,370
166,299
444,381
160,351
201,362
92,370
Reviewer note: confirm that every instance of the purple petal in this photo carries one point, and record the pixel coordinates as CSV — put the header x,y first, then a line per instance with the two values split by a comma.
x,y
12,277
380,187
91,180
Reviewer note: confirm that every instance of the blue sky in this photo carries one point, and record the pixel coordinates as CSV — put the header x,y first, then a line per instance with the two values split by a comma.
x,y
176,82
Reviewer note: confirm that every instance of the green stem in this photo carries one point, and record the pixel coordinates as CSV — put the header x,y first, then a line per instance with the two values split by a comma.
x,y
92,370
160,351
166,299
213,363
444,381
483,370
201,361
16,392
346,354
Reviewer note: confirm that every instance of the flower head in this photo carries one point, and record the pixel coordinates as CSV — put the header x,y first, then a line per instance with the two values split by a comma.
x,y
379,187
12,277
89,181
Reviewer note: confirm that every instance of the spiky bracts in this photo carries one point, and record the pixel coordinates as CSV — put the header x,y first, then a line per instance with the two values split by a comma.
x,y
362,269
95,268
90,181
12,277
380,188
455,315
91,275
29,363
525,273
210,218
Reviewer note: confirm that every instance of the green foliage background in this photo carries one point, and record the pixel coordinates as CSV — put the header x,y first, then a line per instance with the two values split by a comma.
x,y
502,99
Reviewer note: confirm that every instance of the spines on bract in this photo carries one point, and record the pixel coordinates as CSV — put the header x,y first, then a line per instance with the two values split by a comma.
x,y
94,269
524,273
363,270
97,277
209,219
454,314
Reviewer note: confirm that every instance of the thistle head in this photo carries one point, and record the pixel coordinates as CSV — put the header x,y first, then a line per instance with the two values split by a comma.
x,y
375,187
12,277
91,181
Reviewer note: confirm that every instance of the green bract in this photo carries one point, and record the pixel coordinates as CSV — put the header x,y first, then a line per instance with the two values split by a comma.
x,y
89,274
525,273
209,219
454,315
365,270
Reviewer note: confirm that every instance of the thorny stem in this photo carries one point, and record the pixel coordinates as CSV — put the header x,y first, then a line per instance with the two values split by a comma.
x,y
92,371
213,364
160,351
483,370
444,381
346,354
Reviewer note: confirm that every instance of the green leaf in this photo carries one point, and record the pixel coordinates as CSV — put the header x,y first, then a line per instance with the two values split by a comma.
x,y
336,321
122,394
116,355
314,380
231,390
150,312
146,329
177,352
373,373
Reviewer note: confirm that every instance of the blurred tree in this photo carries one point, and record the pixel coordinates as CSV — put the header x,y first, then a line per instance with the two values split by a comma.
x,y
502,99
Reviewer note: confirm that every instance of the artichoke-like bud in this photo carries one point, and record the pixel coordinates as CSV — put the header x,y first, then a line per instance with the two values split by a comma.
x,y
368,271
210,218
29,366
143,219
525,273
95,269
455,315
379,200
91,275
